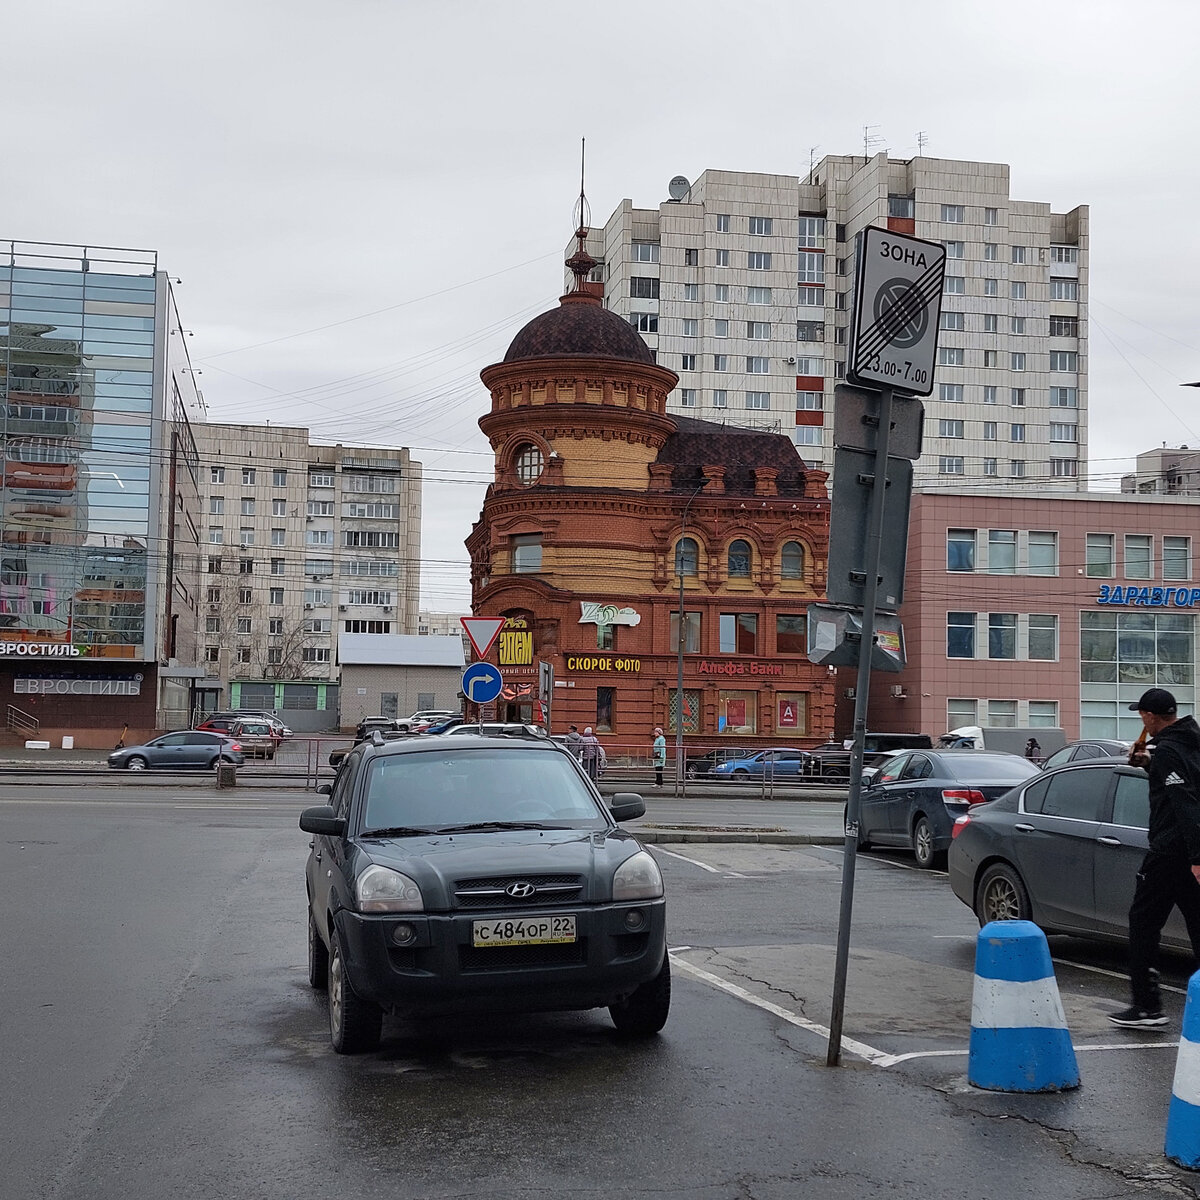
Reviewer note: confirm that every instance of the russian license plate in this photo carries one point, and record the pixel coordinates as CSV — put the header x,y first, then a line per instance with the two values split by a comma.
x,y
524,931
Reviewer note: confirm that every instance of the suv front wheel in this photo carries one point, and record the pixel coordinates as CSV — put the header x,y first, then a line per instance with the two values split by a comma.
x,y
354,1024
645,1011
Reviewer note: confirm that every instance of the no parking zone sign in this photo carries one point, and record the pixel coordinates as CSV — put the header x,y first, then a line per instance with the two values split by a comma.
x,y
897,308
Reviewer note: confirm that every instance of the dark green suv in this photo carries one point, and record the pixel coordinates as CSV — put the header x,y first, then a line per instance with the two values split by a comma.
x,y
476,874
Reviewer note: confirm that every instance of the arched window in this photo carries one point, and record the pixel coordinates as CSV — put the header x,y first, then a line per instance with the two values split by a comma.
x,y
739,559
687,557
791,561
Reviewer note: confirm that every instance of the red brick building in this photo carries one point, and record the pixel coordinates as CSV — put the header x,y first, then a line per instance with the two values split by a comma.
x,y
599,499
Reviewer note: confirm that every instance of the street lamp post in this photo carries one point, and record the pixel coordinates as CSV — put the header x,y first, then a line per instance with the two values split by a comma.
x,y
680,771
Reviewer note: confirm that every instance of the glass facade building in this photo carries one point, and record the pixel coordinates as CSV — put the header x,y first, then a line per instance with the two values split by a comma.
x,y
97,454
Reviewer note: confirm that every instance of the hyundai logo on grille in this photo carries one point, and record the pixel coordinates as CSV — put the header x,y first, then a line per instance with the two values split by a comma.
x,y
520,890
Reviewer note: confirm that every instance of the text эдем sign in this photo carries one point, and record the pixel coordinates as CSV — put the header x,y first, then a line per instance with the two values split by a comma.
x,y
1150,597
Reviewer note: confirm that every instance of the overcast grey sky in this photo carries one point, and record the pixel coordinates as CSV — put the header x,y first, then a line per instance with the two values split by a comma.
x,y
366,199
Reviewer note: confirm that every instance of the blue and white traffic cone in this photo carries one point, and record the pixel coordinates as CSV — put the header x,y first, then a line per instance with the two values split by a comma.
x,y
1019,1036
1183,1117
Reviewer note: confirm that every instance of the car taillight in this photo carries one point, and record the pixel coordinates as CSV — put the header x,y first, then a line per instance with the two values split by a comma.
x,y
235,745
959,825
963,796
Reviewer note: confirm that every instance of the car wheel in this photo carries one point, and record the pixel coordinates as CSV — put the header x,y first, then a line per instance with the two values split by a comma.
x,y
1001,896
645,1011
136,763
922,840
354,1024
693,772
746,774
318,957
864,842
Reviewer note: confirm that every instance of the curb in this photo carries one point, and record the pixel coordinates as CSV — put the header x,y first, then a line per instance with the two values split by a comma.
x,y
749,837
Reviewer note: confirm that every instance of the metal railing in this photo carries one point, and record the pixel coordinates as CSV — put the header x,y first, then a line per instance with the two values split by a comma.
x,y
19,721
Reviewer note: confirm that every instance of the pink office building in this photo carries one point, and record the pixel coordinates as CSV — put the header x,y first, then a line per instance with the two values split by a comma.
x,y
1042,611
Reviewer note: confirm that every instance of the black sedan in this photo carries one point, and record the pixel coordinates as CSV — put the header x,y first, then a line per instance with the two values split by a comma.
x,y
916,797
475,874
1062,851
193,749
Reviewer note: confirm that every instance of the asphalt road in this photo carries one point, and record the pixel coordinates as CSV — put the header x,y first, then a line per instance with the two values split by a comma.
x,y
160,1039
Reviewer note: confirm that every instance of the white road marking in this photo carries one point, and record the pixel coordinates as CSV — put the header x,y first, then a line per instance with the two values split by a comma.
x,y
861,1049
1067,962
887,862
694,861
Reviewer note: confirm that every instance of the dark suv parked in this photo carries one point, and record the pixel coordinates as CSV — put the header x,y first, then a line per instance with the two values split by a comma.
x,y
479,874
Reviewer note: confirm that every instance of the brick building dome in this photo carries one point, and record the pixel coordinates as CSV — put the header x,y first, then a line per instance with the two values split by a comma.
x,y
581,327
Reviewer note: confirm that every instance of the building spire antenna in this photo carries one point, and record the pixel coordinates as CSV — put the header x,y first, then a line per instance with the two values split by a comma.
x,y
581,262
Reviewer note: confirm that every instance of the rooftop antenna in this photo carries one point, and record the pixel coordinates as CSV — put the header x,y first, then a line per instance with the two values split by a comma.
x,y
581,262
812,161
922,142
870,140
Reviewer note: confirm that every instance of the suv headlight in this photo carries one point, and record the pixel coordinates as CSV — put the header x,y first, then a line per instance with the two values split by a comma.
x,y
638,878
382,890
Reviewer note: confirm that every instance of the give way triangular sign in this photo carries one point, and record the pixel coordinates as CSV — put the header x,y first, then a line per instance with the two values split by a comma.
x,y
482,631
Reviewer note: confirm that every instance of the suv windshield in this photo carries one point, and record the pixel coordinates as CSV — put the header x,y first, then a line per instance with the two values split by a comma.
x,y
467,786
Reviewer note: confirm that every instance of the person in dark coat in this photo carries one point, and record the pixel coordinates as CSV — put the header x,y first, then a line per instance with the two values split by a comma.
x,y
1170,874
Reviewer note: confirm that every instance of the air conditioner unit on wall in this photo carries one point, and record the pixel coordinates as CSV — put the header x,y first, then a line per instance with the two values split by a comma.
x,y
897,690
849,693
790,361
308,608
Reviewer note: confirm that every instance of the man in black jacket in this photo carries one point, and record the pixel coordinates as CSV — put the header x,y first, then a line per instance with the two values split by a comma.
x,y
1170,874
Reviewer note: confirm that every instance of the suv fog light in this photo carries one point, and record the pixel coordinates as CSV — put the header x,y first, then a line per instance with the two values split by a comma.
x,y
404,934
635,919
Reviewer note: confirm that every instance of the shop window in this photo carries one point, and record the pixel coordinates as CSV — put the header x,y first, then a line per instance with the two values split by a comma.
x,y
604,709
691,711
737,712
791,713
790,634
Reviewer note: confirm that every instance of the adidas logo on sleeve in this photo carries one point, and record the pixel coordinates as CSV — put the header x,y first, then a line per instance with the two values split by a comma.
x,y
1173,779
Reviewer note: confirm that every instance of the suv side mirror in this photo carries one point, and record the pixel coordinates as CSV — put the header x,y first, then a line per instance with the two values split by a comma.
x,y
321,819
326,789
627,806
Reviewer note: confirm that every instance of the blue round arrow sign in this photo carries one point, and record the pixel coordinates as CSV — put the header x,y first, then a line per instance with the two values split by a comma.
x,y
481,683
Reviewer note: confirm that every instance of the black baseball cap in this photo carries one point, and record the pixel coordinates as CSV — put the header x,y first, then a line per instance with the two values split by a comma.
x,y
1158,701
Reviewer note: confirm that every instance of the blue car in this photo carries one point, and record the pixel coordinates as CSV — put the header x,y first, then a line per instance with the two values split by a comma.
x,y
781,762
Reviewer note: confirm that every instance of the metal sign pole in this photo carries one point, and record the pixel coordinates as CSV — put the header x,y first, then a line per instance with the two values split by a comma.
x,y
853,806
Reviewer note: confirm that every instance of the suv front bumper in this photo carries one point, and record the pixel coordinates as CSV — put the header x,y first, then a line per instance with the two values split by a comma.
x,y
441,970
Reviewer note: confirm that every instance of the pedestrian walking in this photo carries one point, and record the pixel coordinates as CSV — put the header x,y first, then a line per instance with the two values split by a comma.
x,y
660,755
591,753
1170,874
574,742
1033,750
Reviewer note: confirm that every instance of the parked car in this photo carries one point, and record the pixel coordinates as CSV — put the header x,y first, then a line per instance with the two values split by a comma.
x,y
697,765
190,749
257,737
1087,749
368,725
479,875
916,797
425,718
444,726
495,729
223,721
781,762
1063,850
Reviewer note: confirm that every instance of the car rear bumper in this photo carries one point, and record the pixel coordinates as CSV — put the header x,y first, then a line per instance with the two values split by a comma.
x,y
442,971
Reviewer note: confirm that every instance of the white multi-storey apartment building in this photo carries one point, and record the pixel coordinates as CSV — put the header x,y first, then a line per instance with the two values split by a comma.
x,y
744,284
304,543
